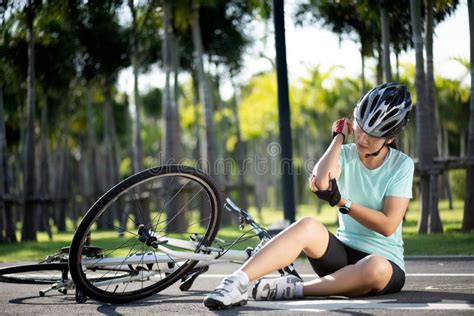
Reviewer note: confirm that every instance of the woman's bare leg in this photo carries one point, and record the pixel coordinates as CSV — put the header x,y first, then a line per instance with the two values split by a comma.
x,y
371,273
306,235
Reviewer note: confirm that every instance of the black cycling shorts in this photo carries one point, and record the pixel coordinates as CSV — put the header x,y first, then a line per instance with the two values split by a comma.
x,y
338,255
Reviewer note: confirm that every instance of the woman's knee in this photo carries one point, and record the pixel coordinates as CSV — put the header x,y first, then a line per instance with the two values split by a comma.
x,y
309,225
376,271
314,235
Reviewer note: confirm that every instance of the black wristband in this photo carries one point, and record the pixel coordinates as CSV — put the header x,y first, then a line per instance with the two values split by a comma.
x,y
334,134
332,195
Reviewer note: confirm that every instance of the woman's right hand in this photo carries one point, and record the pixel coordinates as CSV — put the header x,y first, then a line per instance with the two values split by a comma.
x,y
342,126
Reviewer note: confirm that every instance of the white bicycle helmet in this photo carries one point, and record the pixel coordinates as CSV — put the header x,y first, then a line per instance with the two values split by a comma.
x,y
383,111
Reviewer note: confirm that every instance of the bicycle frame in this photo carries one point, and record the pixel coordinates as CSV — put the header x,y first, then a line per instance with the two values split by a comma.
x,y
208,255
169,255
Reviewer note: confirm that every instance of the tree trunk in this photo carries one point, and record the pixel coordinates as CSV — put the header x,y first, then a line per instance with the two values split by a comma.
x,y
61,210
197,126
94,178
468,218
401,138
379,67
171,131
8,230
142,215
44,215
29,228
422,117
385,30
111,150
222,175
168,144
240,154
208,155
362,74
113,135
137,142
174,68
284,114
84,180
3,154
435,220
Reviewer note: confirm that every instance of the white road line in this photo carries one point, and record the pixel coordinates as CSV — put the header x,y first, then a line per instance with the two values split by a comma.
x,y
328,305
441,274
208,275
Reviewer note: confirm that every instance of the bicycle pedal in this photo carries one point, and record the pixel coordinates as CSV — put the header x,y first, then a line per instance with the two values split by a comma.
x,y
80,296
188,281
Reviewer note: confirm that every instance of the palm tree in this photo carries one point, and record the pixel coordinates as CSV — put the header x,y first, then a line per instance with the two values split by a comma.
x,y
7,225
137,141
468,219
425,155
28,231
434,221
205,94
3,170
385,31
171,132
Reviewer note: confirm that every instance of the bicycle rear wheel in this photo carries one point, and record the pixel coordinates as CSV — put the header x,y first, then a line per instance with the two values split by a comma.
x,y
169,201
40,273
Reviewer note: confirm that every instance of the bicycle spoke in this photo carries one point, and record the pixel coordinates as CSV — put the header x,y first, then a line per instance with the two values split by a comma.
x,y
169,221
172,198
185,230
138,202
167,193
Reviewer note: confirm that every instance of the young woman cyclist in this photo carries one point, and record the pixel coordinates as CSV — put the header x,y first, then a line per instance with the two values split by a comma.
x,y
370,181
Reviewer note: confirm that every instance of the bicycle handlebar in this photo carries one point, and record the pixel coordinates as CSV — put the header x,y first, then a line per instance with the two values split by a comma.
x,y
233,208
246,218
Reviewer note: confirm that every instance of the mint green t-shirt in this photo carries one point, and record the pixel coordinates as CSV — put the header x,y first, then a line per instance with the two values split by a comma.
x,y
369,187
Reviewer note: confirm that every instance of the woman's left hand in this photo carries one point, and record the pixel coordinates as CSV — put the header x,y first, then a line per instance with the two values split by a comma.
x,y
331,195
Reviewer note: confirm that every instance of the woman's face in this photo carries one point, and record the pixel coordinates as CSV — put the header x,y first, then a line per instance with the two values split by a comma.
x,y
366,144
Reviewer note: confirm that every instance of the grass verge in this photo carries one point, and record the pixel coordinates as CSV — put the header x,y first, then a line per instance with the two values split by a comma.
x,y
451,242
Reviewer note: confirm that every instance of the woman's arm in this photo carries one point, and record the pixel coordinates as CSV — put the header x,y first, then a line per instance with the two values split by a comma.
x,y
385,222
328,167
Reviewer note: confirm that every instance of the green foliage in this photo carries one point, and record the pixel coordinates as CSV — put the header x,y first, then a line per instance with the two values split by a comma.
x,y
452,242
151,102
457,179
104,43
316,101
223,31
258,108
144,34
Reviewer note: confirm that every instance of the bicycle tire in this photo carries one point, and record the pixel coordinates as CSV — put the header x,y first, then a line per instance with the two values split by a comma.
x,y
40,273
106,202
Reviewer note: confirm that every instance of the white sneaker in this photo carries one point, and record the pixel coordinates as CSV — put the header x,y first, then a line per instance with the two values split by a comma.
x,y
231,292
275,288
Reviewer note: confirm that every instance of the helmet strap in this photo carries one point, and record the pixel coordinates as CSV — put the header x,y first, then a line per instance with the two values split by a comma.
x,y
377,152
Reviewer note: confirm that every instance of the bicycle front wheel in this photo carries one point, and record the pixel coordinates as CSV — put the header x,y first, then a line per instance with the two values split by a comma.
x,y
157,205
40,273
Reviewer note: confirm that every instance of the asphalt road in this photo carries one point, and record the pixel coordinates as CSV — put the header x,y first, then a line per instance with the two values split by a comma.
x,y
434,286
